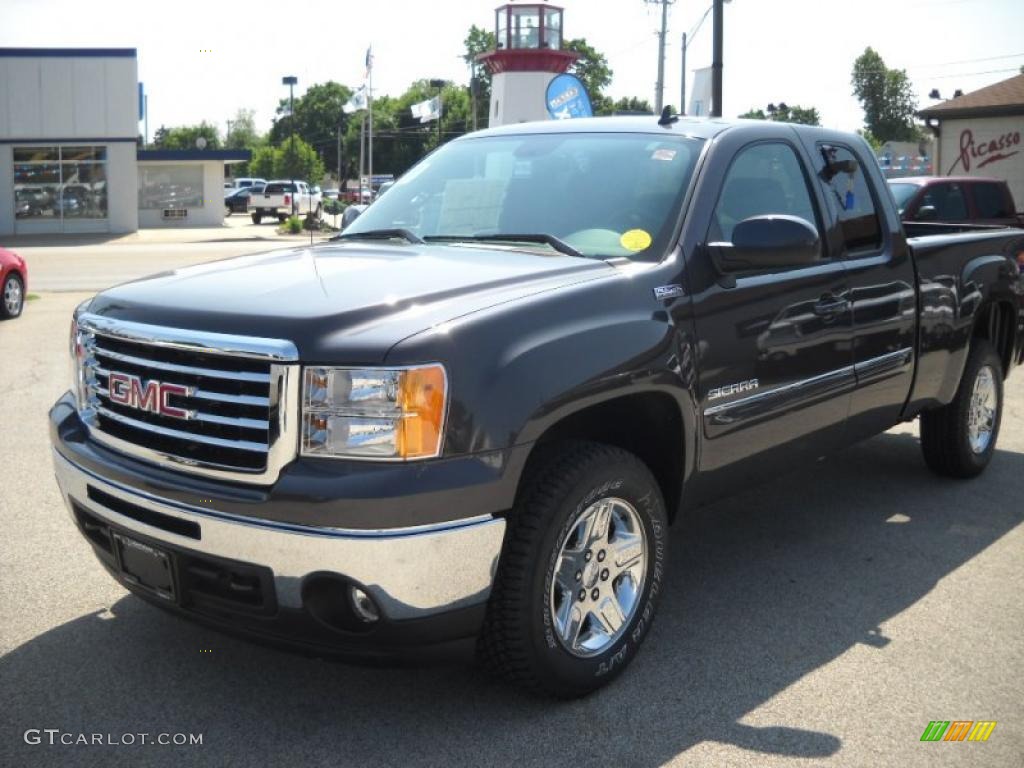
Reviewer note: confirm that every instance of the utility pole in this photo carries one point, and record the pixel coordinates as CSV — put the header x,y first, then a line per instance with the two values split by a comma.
x,y
716,60
659,94
682,87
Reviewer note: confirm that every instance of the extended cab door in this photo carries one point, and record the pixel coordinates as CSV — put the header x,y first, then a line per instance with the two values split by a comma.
x,y
775,362
867,234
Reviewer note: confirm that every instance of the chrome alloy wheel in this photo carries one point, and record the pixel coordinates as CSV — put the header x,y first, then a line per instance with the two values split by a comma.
x,y
599,577
981,418
12,295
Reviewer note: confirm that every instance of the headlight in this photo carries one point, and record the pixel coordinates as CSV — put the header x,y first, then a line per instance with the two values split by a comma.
x,y
76,350
374,413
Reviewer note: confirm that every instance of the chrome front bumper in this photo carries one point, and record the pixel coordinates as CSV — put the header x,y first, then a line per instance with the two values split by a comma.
x,y
410,573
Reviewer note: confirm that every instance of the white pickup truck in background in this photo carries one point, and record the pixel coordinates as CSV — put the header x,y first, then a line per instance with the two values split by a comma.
x,y
282,198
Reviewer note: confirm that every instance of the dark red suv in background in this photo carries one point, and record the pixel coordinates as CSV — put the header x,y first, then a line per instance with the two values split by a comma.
x,y
955,199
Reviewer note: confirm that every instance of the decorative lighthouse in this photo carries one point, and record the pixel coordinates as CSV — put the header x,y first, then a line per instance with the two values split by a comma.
x,y
528,56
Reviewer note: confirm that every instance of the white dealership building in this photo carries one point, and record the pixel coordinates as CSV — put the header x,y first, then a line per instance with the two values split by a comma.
x,y
69,156
980,134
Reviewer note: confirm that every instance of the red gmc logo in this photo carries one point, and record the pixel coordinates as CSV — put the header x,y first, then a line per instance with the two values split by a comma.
x,y
151,396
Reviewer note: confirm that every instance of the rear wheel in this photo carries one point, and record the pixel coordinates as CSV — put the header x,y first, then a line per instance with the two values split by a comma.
x,y
12,300
959,439
256,218
580,573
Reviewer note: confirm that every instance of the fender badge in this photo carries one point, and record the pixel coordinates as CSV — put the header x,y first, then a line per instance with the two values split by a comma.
x,y
663,292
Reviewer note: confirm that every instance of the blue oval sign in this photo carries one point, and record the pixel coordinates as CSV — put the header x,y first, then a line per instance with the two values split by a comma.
x,y
567,97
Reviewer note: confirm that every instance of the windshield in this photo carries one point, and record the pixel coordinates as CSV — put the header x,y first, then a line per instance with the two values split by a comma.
x,y
902,193
603,194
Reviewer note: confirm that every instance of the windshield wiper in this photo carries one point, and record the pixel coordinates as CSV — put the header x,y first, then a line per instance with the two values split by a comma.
x,y
381,234
550,240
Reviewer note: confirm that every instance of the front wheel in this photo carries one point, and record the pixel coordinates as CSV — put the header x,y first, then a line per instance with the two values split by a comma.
x,y
580,573
959,439
256,218
12,300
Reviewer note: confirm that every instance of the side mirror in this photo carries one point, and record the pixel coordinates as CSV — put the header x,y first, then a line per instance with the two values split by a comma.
x,y
763,242
926,213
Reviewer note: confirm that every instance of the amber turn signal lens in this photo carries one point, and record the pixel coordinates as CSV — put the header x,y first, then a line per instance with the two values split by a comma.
x,y
421,399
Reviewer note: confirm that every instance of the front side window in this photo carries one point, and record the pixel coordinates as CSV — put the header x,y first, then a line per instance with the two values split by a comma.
x,y
764,179
901,194
603,194
842,175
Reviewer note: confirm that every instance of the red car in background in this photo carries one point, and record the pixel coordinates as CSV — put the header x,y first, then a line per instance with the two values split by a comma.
x,y
13,284
955,200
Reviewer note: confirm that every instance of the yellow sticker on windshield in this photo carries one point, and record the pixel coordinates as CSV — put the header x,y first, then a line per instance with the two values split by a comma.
x,y
635,240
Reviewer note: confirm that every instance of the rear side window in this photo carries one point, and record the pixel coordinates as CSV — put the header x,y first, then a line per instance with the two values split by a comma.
x,y
277,189
763,179
948,200
843,176
990,201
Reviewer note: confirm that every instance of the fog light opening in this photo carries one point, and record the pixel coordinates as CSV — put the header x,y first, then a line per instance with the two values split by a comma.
x,y
363,605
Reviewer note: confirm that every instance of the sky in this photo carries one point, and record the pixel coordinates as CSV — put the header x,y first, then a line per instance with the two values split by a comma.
x,y
205,60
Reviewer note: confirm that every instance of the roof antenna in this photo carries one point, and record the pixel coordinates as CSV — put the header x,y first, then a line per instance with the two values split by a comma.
x,y
668,116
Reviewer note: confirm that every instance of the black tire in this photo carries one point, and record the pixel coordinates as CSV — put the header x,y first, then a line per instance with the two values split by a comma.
x,y
945,432
319,212
281,219
14,281
519,640
256,218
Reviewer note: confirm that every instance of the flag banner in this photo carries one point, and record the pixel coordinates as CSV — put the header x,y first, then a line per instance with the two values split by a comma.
x,y
427,110
369,60
357,102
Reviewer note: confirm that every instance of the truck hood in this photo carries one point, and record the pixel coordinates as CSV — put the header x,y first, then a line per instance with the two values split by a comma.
x,y
342,302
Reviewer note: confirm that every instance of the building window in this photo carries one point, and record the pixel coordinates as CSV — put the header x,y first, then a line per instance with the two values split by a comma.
x,y
60,182
170,186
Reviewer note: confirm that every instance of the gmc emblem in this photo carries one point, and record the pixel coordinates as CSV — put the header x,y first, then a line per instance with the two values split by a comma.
x,y
151,396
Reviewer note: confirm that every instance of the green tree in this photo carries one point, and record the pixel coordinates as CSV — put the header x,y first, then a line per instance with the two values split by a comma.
x,y
262,163
318,116
479,41
632,105
593,71
869,137
887,98
185,136
242,133
786,114
298,160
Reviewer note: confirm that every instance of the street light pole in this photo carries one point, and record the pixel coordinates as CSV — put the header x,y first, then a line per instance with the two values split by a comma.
x,y
716,60
291,81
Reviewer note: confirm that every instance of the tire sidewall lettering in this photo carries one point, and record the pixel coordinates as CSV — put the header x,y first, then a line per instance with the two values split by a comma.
x,y
616,656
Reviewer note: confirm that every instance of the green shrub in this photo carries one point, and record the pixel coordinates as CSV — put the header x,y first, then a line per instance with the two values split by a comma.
x,y
334,207
293,225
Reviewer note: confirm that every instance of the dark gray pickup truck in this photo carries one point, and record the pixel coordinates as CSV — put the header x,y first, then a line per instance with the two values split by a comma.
x,y
471,420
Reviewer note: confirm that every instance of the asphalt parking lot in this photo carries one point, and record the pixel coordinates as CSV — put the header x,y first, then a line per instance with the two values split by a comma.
x,y
821,620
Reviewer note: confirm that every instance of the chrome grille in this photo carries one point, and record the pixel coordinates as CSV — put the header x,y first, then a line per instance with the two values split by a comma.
x,y
227,413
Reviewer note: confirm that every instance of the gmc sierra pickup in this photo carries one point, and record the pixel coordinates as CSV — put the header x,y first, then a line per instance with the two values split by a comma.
x,y
472,419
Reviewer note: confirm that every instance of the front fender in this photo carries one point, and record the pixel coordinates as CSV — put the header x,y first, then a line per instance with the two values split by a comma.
x,y
518,369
